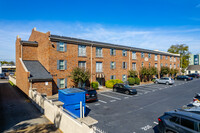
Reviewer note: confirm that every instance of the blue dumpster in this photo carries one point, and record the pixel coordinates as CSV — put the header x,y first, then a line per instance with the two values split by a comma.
x,y
71,97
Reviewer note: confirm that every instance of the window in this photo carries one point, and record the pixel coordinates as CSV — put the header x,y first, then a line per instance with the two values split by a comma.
x,y
112,51
166,64
170,58
124,78
61,64
134,55
112,65
142,54
134,66
62,83
112,77
61,46
82,64
177,58
156,57
161,64
170,66
189,72
178,65
166,57
149,55
142,64
196,72
99,52
174,59
98,66
149,64
161,57
175,119
189,124
124,65
124,53
156,65
174,66
81,50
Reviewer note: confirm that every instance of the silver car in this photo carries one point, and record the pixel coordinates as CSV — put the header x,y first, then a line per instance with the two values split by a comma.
x,y
164,80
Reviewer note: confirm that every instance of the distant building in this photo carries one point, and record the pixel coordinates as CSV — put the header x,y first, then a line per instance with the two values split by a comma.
x,y
193,69
194,59
7,69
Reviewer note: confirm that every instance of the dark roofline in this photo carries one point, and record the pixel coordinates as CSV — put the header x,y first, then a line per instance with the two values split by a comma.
x,y
56,38
29,43
39,80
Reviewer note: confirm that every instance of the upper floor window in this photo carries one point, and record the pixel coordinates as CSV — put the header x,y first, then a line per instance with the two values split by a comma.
x,y
112,51
166,64
170,66
99,52
170,58
112,65
112,77
177,58
134,55
161,57
142,54
156,57
124,53
178,65
166,57
99,67
161,64
142,64
124,65
61,64
156,65
149,64
82,64
61,46
149,55
174,59
81,50
134,66
174,66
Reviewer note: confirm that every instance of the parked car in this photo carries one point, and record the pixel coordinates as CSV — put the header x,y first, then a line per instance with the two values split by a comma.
x,y
124,88
164,80
183,77
196,100
90,94
2,76
179,121
194,75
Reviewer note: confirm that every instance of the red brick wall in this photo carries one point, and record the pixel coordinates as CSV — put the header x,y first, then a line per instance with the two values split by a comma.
x,y
29,53
43,88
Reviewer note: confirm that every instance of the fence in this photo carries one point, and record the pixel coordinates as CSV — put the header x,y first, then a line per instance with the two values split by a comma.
x,y
12,79
62,119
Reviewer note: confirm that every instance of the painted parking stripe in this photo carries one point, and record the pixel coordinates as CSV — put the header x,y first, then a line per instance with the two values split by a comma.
x,y
97,104
102,101
120,94
148,88
126,97
155,123
87,106
112,101
110,96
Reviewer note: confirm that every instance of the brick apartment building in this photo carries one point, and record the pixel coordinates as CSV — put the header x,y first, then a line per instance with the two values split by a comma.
x,y
45,61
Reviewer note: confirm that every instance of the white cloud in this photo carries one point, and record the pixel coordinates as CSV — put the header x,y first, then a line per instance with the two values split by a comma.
x,y
155,38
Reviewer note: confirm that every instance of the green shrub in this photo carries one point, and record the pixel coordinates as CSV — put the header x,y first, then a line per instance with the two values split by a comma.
x,y
112,82
137,81
11,83
153,80
95,85
131,81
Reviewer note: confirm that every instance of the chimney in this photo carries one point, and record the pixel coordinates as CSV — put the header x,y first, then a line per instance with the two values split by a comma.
x,y
34,28
17,36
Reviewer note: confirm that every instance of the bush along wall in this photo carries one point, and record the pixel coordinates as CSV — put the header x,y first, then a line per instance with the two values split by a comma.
x,y
112,82
137,81
95,85
131,81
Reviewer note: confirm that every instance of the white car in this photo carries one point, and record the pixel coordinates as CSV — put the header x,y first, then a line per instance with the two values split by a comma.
x,y
164,80
196,100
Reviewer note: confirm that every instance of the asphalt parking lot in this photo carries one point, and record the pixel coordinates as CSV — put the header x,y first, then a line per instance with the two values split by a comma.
x,y
121,113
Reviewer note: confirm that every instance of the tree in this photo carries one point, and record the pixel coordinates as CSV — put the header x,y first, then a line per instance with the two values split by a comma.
x,y
164,70
152,71
79,75
183,50
132,73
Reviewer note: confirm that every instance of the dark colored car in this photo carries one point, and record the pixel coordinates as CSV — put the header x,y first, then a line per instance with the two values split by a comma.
x,y
2,76
179,121
123,88
90,94
183,77
194,75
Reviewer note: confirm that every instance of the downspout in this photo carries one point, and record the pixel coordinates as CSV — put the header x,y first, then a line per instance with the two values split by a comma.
x,y
129,58
91,62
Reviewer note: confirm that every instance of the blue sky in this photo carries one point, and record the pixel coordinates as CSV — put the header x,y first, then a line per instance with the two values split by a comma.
x,y
151,24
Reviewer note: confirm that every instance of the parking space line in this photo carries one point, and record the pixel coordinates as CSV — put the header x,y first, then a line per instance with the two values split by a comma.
x,y
102,101
126,97
112,101
97,104
155,123
110,96
87,106
120,94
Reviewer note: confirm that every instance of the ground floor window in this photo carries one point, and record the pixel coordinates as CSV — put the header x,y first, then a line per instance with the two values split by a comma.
x,y
124,77
62,83
112,77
